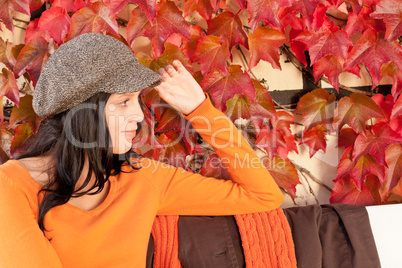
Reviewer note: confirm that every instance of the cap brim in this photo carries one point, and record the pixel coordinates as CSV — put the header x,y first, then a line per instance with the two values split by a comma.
x,y
132,78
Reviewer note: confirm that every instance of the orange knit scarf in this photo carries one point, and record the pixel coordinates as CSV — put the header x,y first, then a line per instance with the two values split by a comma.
x,y
266,240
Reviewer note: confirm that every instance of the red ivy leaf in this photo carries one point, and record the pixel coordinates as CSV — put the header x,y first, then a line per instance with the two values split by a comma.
x,y
228,27
222,87
386,105
171,120
264,100
267,11
93,19
345,165
241,107
174,152
7,10
137,25
273,142
147,6
70,5
355,110
35,4
5,144
397,109
212,53
168,21
188,47
395,195
393,174
373,52
298,47
315,139
146,137
213,167
33,56
347,137
366,165
329,40
155,102
56,21
241,3
22,133
283,122
170,54
284,173
317,107
330,67
6,55
390,69
361,21
190,138
290,16
307,9
375,142
264,45
25,113
32,30
203,7
1,110
8,86
396,124
391,12
345,191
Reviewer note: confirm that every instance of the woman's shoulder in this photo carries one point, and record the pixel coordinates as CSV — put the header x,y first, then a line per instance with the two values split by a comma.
x,y
26,171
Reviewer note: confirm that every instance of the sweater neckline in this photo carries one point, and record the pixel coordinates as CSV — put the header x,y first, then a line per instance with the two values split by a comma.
x,y
102,206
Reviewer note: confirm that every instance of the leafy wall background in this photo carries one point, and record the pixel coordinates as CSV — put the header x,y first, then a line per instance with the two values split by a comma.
x,y
223,44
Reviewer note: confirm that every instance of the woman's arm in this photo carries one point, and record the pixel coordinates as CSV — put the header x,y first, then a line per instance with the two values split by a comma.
x,y
252,188
22,243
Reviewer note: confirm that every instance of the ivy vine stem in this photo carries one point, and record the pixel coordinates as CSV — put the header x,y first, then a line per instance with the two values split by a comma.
x,y
300,66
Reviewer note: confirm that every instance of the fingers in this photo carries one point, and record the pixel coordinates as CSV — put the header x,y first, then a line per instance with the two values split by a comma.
x,y
163,73
170,71
179,66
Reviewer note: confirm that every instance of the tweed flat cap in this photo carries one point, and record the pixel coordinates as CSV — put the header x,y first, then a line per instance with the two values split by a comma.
x,y
85,65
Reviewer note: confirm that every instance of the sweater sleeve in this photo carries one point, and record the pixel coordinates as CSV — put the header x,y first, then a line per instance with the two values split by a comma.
x,y
252,188
22,243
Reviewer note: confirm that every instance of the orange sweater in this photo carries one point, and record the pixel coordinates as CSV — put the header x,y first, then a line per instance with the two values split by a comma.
x,y
116,233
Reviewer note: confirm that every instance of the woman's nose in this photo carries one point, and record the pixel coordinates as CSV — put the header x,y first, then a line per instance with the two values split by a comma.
x,y
136,114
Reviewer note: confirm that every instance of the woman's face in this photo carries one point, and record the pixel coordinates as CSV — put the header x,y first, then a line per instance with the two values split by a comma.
x,y
123,112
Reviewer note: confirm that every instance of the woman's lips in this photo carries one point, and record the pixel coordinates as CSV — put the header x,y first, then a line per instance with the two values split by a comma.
x,y
130,132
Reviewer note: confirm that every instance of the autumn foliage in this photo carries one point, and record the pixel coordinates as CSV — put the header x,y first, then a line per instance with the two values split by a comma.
x,y
326,37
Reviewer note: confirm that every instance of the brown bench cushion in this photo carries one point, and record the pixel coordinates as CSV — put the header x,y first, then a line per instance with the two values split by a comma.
x,y
334,235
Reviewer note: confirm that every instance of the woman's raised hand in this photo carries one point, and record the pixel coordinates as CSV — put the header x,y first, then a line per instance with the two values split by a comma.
x,y
179,89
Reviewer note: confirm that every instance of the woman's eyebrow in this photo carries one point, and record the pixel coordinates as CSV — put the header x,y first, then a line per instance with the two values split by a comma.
x,y
120,96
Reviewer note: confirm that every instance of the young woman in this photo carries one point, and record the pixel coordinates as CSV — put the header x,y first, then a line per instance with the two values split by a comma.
x,y
80,197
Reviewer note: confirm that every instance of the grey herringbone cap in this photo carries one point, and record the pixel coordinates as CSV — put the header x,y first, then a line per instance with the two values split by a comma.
x,y
84,66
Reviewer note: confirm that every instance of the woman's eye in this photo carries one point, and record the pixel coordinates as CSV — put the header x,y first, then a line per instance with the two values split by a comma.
x,y
123,103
